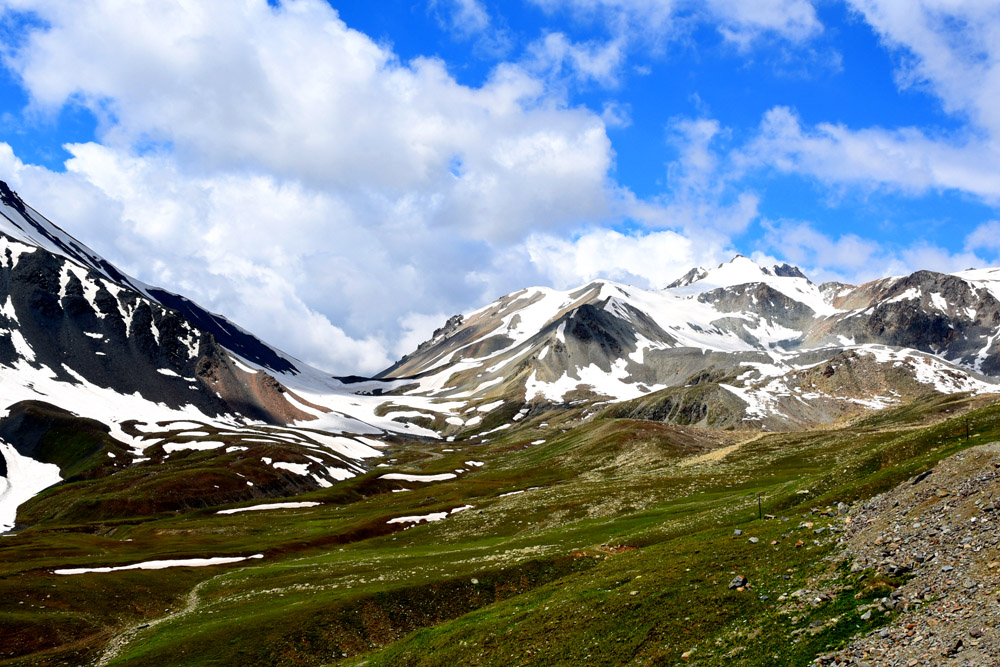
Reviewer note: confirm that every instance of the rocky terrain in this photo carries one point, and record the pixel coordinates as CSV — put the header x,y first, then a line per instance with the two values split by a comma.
x,y
940,530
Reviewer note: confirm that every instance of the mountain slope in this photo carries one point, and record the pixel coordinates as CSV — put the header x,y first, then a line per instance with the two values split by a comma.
x,y
143,375
751,324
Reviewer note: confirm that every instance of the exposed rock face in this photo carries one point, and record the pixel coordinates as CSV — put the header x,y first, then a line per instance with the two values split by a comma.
x,y
69,313
753,323
60,318
20,222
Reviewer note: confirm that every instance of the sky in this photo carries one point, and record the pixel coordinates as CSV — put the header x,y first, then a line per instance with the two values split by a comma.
x,y
340,177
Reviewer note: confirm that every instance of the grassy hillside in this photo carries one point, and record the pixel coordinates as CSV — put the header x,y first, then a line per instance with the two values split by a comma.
x,y
608,541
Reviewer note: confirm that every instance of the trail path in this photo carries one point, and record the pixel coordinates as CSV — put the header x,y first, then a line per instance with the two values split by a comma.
x,y
122,640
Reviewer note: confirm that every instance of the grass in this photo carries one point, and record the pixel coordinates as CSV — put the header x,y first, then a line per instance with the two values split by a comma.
x,y
614,553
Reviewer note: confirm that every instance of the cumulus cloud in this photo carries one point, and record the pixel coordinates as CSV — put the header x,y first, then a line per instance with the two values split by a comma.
x,y
985,237
293,92
852,259
291,173
465,17
744,22
948,48
557,56
903,159
646,259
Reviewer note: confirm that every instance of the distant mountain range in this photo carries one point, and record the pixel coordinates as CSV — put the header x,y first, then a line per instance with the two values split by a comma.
x,y
755,333
735,346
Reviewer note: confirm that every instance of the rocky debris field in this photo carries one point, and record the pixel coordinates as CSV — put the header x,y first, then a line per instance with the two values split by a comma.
x,y
940,531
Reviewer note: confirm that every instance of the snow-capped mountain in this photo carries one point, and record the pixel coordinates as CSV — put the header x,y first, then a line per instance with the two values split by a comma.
x,y
742,322
150,374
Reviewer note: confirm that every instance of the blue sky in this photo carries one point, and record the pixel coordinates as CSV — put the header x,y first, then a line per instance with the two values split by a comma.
x,y
340,177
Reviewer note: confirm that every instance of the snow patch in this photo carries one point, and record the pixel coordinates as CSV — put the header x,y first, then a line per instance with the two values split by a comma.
x,y
161,564
271,506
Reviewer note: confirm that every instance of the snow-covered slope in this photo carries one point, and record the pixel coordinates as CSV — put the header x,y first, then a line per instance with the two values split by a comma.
x,y
80,336
20,222
737,320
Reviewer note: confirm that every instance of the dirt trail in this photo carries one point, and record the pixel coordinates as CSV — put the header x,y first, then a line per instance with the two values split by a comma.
x,y
719,454
122,640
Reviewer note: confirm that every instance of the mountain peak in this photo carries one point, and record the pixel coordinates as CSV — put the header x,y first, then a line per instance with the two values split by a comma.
x,y
739,270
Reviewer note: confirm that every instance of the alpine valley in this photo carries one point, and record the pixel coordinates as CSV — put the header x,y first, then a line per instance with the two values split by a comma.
x,y
603,475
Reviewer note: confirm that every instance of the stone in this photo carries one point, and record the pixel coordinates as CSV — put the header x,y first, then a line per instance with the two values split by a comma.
x,y
738,582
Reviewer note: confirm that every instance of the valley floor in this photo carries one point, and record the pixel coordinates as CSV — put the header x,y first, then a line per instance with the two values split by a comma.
x,y
558,541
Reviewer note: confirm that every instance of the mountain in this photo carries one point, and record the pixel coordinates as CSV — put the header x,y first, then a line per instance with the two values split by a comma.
x,y
601,475
751,331
150,374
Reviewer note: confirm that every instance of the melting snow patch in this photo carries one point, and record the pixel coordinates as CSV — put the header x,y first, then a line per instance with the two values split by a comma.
x,y
25,479
297,468
433,516
474,463
243,367
161,564
510,493
272,506
419,478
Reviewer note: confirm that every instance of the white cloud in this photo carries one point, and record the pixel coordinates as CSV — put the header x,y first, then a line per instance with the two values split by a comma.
x,y
557,56
739,21
700,195
646,259
850,258
950,47
292,174
744,22
947,48
295,93
903,159
803,245
466,17
984,237
653,18
616,114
